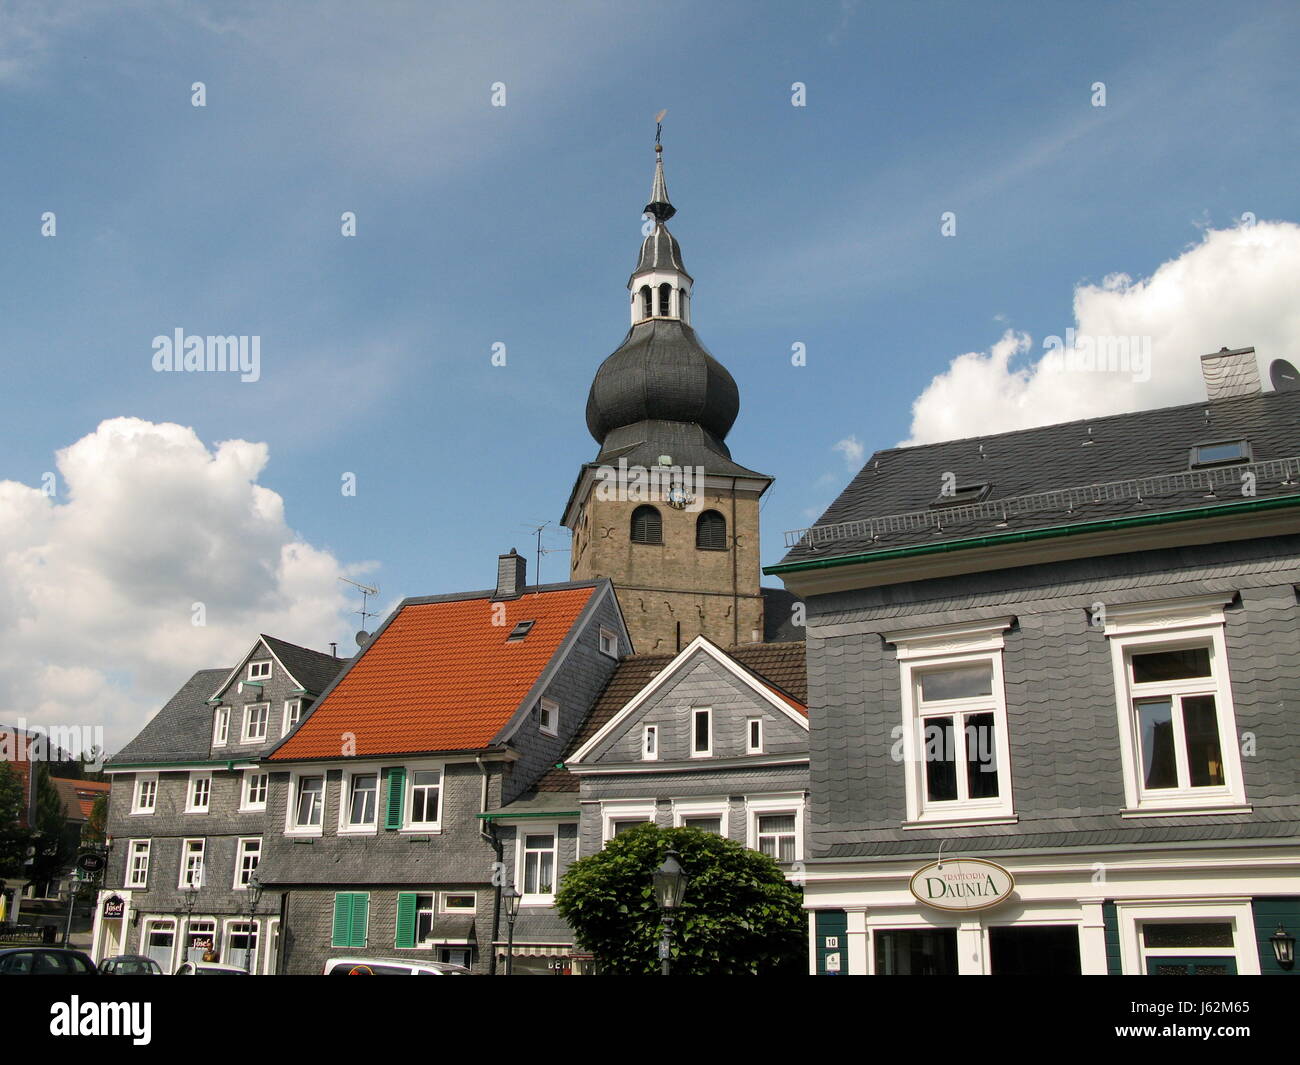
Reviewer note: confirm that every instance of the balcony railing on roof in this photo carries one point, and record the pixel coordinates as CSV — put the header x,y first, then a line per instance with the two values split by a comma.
x,y
1283,473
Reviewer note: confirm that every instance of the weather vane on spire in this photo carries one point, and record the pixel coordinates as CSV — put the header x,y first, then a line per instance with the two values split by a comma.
x,y
659,129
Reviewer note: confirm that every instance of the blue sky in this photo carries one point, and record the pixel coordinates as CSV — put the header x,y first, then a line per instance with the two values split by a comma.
x,y
519,224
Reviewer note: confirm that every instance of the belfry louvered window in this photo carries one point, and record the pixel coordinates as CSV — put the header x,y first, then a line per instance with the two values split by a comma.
x,y
665,300
711,531
647,526
646,309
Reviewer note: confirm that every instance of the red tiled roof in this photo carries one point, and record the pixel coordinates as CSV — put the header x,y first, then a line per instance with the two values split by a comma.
x,y
79,796
440,677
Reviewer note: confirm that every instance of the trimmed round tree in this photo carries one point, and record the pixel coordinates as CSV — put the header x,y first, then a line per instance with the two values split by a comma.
x,y
739,915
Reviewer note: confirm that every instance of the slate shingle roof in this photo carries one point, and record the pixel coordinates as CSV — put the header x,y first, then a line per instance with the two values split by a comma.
x,y
180,731
312,669
440,675
1142,444
781,666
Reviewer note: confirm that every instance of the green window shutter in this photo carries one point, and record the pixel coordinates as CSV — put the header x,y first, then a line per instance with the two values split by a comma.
x,y
396,792
405,919
360,918
342,920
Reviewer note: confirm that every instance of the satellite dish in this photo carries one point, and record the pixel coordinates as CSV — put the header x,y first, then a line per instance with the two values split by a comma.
x,y
363,638
1285,377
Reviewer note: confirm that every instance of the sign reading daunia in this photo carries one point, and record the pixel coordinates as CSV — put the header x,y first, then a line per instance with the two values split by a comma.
x,y
962,884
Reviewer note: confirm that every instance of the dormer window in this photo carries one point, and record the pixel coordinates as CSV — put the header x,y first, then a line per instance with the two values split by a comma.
x,y
521,630
961,494
259,670
1220,453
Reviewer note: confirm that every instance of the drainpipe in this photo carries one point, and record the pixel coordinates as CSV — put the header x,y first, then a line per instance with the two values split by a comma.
x,y
488,830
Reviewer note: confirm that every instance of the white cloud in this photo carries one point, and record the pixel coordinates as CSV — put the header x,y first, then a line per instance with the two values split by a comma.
x,y
1236,288
852,450
99,584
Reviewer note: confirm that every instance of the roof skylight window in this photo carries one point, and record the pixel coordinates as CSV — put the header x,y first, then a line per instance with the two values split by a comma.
x,y
1220,453
520,630
964,493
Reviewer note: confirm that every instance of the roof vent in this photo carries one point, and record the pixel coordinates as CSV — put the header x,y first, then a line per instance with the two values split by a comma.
x,y
512,570
1230,373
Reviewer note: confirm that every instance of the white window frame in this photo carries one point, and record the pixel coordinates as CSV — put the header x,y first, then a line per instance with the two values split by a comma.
x,y
1131,916
1164,626
285,723
291,827
689,808
161,924
522,832
137,794
618,810
255,671
696,711
221,726
648,755
922,650
548,717
750,747
408,799
233,956
137,848
346,827
241,845
183,880
432,911
246,735
191,788
608,642
246,804
471,895
790,803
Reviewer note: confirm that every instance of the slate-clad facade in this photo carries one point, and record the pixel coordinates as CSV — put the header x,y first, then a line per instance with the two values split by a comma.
x,y
188,807
1129,691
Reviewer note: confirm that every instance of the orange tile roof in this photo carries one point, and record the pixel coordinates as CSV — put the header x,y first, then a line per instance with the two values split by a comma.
x,y
438,677
79,795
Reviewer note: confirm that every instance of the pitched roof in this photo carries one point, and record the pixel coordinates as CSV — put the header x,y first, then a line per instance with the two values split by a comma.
x,y
79,796
780,666
441,674
180,731
1053,458
312,669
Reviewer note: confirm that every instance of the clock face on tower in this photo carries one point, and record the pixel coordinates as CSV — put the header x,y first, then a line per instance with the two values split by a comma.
x,y
678,498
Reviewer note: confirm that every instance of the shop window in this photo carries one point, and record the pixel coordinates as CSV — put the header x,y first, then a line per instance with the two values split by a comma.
x,y
916,952
1034,950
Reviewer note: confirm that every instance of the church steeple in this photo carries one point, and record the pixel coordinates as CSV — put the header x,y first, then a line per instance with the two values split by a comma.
x,y
660,287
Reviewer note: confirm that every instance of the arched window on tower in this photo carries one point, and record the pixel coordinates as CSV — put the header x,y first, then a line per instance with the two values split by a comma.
x,y
681,306
646,309
647,526
665,300
711,531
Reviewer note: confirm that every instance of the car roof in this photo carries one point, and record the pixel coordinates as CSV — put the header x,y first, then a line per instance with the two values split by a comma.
x,y
410,963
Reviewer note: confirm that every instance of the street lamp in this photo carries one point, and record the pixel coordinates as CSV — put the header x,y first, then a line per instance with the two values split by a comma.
x,y
512,898
670,887
191,891
1283,947
254,895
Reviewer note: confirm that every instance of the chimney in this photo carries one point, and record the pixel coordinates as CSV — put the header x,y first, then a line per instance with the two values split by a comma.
x,y
1230,373
512,571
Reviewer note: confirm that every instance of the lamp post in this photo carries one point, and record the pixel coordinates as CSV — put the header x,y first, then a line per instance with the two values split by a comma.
x,y
512,898
254,895
670,887
191,900
1283,947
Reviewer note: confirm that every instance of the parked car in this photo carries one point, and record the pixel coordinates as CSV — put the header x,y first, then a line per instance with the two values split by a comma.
x,y
130,965
390,967
45,961
209,968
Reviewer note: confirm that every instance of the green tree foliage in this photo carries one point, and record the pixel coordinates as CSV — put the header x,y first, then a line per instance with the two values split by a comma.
x,y
739,916
56,847
13,840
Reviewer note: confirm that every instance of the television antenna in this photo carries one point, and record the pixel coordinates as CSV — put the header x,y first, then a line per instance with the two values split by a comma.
x,y
538,528
363,637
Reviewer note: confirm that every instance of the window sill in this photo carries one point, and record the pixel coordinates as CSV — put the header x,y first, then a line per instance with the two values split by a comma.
x,y
252,809
974,820
304,833
537,900
358,830
1205,810
421,830
143,813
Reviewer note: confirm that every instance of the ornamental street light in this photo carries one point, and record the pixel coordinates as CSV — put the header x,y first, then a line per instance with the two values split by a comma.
x,y
512,898
254,896
1283,947
670,888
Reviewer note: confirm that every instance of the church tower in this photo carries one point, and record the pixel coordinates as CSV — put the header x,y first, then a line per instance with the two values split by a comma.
x,y
664,511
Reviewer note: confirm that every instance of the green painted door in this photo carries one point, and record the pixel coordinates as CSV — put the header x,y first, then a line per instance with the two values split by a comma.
x,y
1207,966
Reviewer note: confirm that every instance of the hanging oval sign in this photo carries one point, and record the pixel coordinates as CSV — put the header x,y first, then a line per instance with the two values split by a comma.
x,y
962,884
